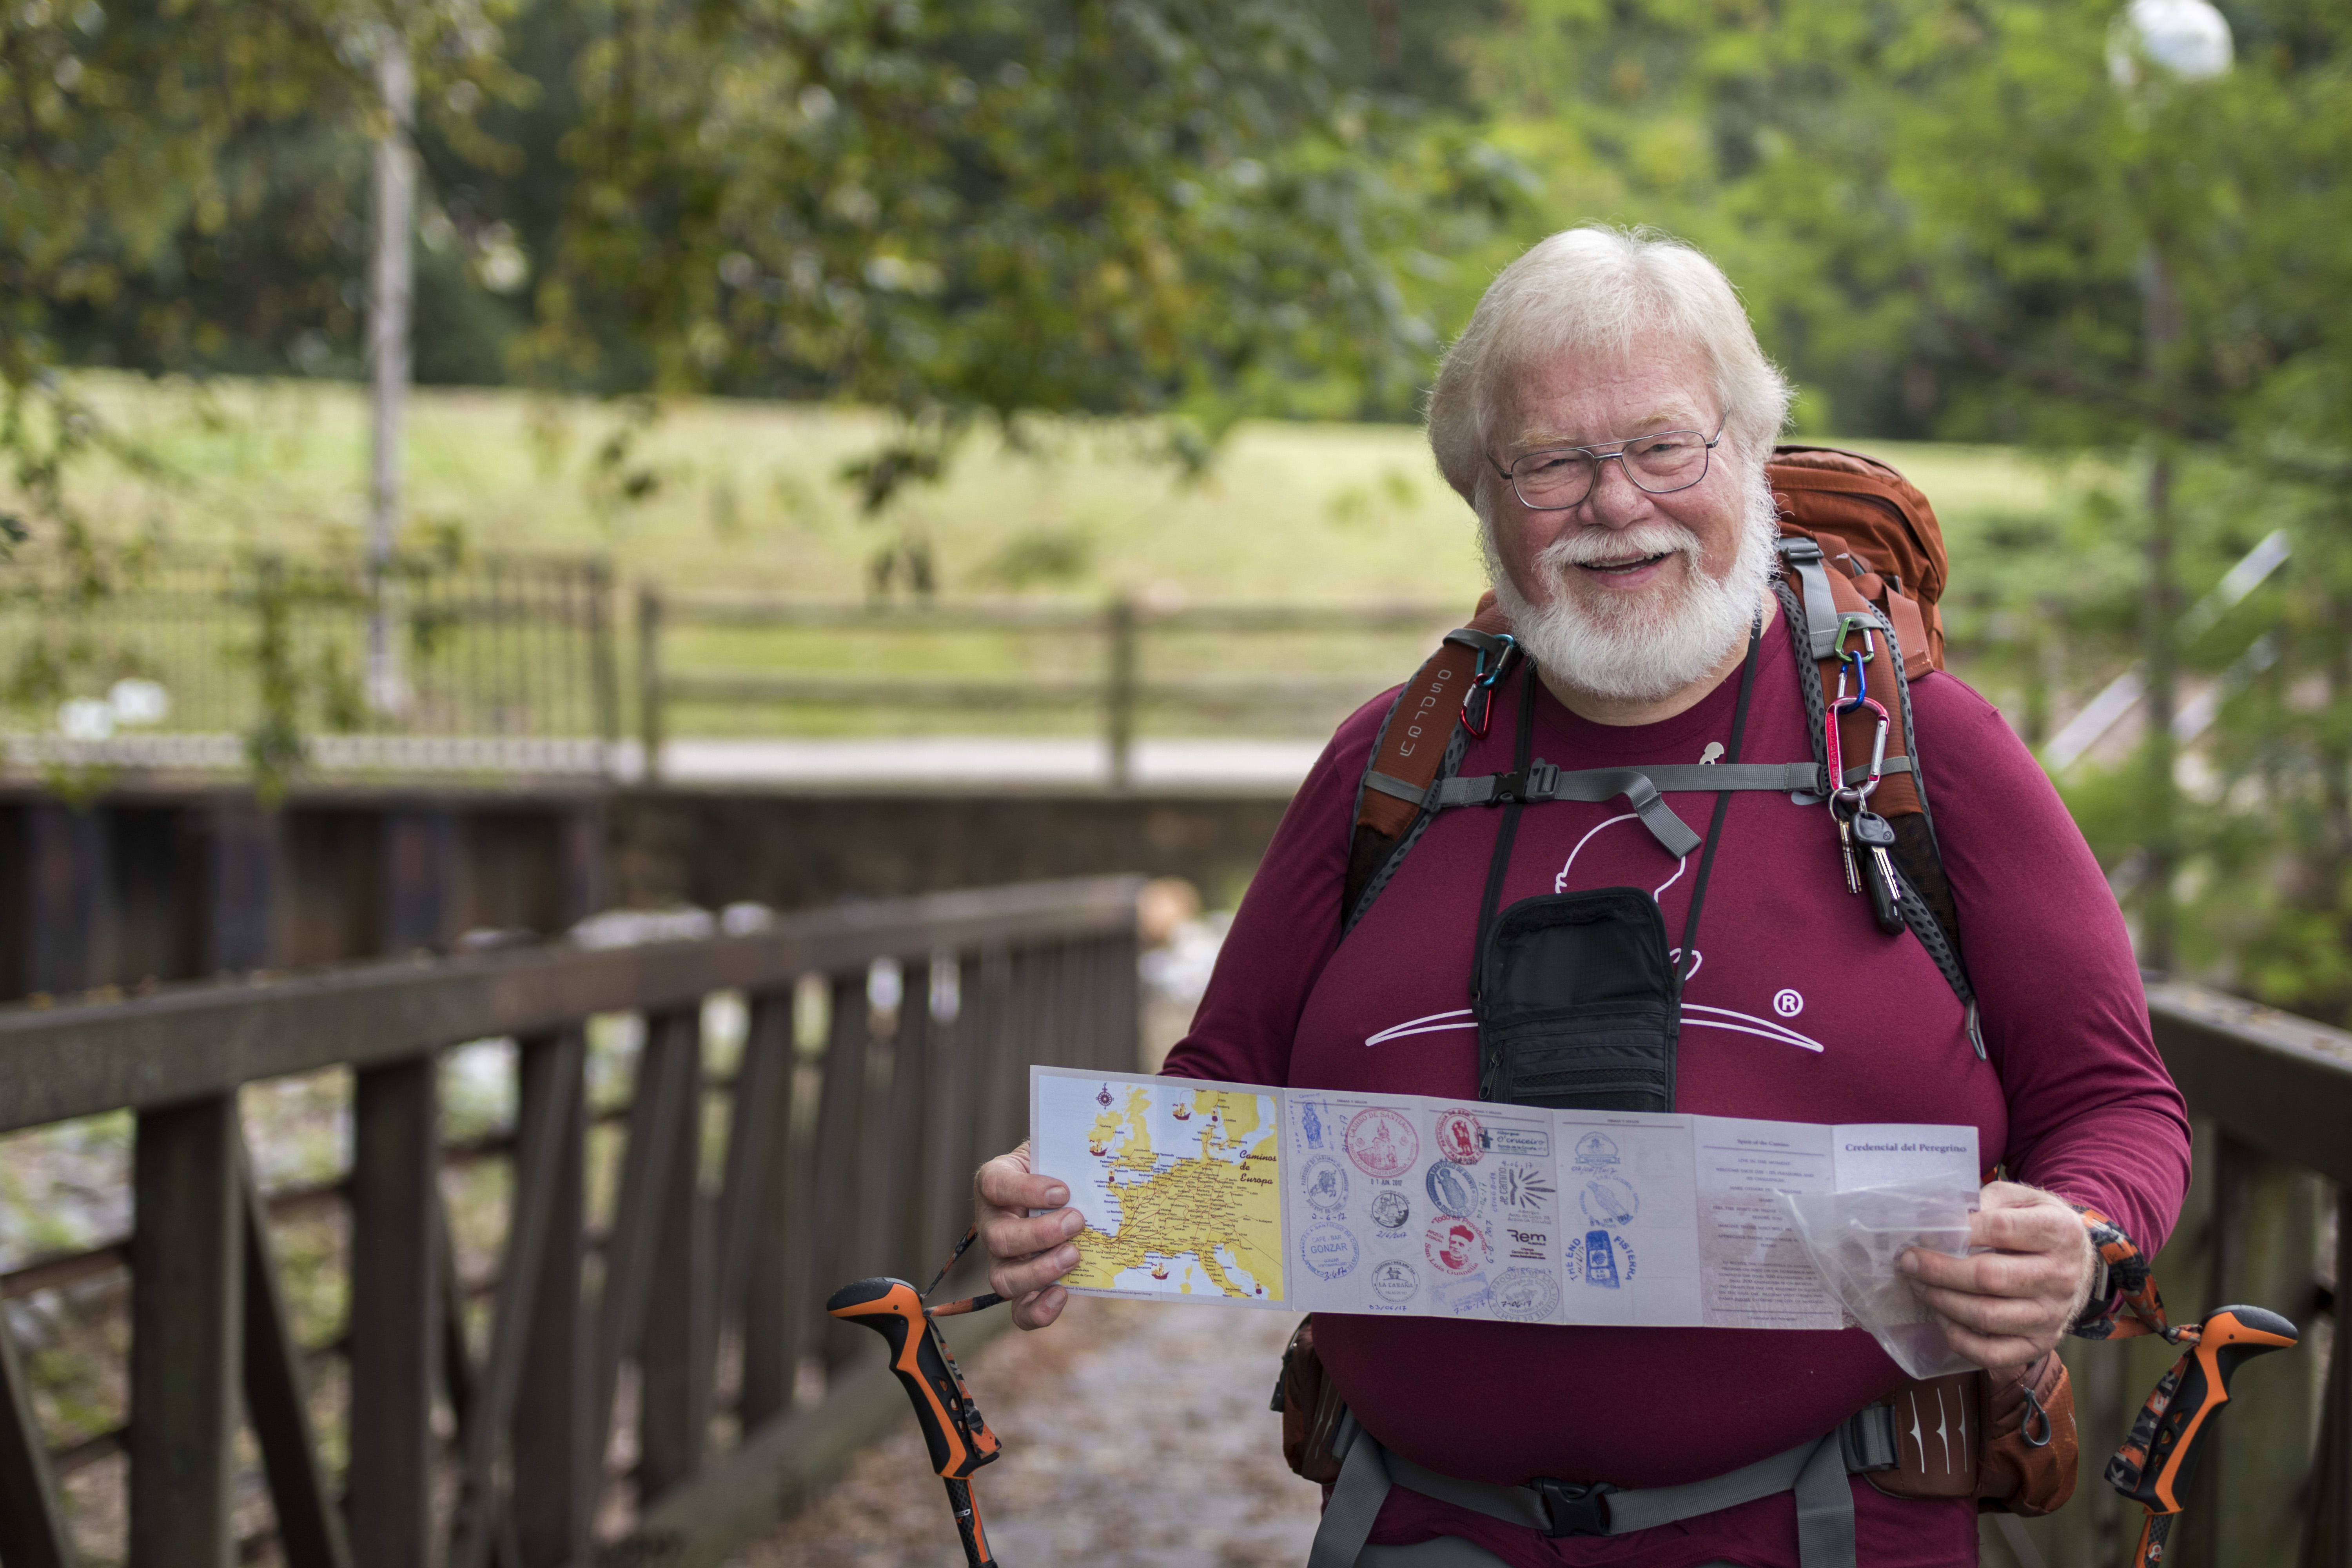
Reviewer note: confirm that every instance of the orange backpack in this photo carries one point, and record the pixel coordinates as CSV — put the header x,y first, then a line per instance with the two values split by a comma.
x,y
1861,567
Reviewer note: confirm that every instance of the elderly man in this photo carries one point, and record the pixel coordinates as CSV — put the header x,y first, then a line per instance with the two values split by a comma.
x,y
1608,415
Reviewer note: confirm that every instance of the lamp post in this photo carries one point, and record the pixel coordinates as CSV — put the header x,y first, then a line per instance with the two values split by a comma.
x,y
391,286
2154,43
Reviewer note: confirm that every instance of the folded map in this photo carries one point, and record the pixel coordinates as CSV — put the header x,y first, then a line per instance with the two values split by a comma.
x,y
1314,1200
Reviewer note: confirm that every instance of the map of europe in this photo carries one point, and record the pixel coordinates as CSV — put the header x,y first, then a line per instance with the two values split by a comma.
x,y
1179,1187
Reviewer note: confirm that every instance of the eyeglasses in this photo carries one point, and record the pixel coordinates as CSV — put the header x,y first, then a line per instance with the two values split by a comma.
x,y
1561,476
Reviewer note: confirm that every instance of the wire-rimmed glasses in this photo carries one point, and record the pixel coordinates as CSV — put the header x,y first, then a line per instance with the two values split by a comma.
x,y
1557,477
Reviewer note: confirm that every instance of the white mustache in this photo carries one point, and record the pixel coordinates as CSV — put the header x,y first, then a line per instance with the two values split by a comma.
x,y
1598,547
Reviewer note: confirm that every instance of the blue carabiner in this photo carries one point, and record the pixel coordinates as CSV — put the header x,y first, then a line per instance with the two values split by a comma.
x,y
1859,663
1482,684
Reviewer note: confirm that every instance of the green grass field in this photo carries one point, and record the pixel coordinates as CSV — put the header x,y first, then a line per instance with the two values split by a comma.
x,y
711,496
746,496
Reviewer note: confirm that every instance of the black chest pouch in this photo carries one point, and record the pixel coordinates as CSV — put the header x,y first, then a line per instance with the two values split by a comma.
x,y
1578,998
1578,1005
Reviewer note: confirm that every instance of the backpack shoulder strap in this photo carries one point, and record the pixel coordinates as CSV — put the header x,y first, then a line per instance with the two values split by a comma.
x,y
1420,741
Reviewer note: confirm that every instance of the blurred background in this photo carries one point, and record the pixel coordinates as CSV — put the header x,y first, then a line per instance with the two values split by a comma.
x,y
493,479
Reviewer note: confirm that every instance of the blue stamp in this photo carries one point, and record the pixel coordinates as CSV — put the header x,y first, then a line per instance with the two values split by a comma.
x,y
1525,1295
1611,1200
1325,1184
1310,1124
1390,1209
1453,1189
1526,1142
1329,1250
1600,1260
1596,1149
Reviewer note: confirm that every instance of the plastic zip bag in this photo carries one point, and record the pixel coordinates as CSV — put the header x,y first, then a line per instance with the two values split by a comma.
x,y
1855,1239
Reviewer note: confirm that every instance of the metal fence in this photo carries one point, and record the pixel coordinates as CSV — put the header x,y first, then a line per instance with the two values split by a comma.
x,y
500,662
623,1382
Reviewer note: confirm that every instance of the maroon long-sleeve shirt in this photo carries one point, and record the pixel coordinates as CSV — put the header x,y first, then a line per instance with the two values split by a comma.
x,y
2073,1097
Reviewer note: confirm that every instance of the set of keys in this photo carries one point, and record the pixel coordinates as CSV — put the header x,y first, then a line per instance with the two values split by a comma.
x,y
1863,834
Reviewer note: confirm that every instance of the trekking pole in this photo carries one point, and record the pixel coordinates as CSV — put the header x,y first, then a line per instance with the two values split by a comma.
x,y
2156,1462
959,1439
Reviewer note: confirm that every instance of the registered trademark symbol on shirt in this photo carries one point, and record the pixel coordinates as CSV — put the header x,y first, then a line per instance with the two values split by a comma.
x,y
1788,1003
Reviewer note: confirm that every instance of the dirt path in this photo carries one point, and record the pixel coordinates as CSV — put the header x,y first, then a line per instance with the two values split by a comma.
x,y
1135,1437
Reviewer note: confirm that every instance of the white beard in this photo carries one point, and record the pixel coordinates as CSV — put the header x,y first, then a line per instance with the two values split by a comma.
x,y
1647,647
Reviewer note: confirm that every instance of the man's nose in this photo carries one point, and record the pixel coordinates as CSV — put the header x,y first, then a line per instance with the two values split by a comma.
x,y
1616,500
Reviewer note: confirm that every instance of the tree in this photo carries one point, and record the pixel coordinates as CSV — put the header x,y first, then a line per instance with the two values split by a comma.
x,y
1951,219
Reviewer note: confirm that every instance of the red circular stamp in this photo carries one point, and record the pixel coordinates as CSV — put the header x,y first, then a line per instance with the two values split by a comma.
x,y
1383,1142
1461,1138
1457,1246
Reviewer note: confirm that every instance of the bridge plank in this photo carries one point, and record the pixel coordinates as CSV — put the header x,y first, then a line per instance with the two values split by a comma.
x,y
665,1067
278,1402
675,1350
32,1532
550,1449
546,1111
187,1335
761,1228
205,1038
398,1272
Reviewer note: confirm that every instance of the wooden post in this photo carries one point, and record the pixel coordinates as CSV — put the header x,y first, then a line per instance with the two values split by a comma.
x,y
395,1313
764,1232
551,1438
833,1257
2327,1533
1120,694
675,1351
187,1278
649,681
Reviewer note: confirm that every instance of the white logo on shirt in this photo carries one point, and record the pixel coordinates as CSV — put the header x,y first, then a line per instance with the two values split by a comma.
x,y
1788,1003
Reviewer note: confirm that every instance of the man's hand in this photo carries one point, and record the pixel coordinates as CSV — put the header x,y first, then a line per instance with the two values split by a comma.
x,y
1028,1254
2007,1307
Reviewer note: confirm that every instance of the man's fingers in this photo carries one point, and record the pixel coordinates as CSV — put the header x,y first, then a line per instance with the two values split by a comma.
x,y
2039,1228
2024,1316
1992,1273
1995,1352
1008,1184
1019,1277
1039,1308
1014,1236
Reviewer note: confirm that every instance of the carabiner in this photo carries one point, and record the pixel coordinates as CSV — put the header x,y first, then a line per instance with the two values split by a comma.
x,y
1482,684
1848,625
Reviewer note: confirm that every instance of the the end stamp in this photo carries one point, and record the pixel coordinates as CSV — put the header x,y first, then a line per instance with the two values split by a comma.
x,y
1382,1141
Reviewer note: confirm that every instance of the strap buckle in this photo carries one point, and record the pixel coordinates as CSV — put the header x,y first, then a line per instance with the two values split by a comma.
x,y
1574,1508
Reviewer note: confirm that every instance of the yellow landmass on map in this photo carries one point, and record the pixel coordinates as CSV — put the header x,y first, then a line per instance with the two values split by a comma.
x,y
1191,1206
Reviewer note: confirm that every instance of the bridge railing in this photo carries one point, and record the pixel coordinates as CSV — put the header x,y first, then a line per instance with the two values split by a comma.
x,y
643,1368
2267,1222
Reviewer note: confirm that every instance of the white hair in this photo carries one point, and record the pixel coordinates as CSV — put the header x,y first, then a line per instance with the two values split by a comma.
x,y
1597,291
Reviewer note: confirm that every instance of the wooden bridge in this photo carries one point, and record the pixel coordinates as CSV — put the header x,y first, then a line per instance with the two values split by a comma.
x,y
635,1370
